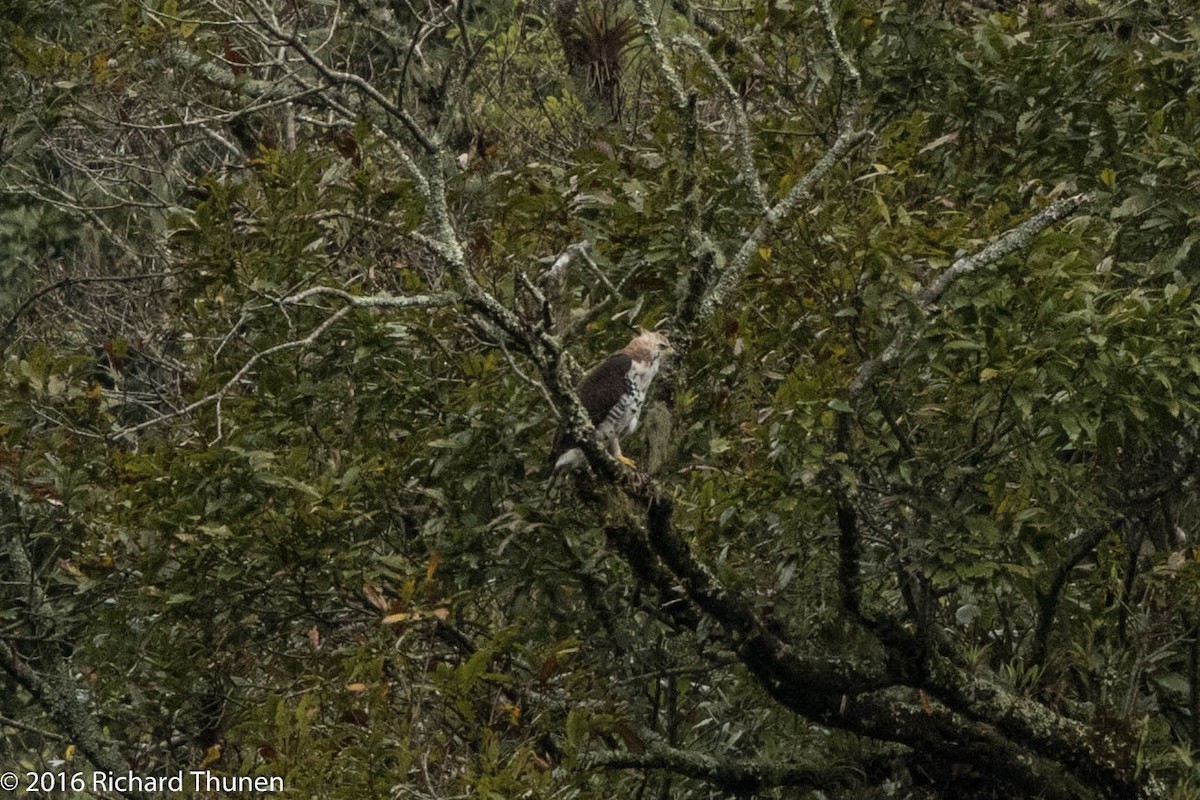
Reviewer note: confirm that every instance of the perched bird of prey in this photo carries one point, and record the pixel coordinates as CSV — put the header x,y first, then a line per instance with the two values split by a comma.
x,y
613,393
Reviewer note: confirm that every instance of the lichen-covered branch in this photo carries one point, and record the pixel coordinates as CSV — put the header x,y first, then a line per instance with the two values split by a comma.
x,y
946,738
1100,761
1002,245
737,265
662,59
844,65
980,722
381,300
732,776
741,126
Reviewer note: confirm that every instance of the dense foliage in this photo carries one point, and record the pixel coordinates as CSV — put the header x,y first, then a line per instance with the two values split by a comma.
x,y
292,296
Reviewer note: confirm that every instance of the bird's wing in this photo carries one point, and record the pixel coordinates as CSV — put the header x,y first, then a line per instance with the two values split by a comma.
x,y
603,386
599,390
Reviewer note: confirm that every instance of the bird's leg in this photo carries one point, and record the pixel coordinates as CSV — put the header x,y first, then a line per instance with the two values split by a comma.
x,y
617,454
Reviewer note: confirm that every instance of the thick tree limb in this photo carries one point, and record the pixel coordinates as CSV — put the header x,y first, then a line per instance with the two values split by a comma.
x,y
733,776
981,722
902,715
1103,762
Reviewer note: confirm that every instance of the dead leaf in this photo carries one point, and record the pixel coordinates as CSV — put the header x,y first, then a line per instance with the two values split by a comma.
x,y
375,596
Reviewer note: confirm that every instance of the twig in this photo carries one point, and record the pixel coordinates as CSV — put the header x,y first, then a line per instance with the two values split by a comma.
x,y
21,726
547,321
600,274
512,364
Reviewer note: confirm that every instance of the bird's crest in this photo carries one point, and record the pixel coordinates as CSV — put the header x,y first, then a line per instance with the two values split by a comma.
x,y
648,346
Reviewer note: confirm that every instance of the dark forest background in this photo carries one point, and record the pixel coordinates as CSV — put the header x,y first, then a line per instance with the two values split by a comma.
x,y
293,296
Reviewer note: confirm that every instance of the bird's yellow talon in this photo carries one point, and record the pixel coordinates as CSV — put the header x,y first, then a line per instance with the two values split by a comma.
x,y
627,461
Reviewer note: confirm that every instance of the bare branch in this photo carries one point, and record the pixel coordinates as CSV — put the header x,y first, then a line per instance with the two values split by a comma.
x,y
215,73
547,322
229,385
411,165
5,722
7,329
700,20
428,144
70,204
512,364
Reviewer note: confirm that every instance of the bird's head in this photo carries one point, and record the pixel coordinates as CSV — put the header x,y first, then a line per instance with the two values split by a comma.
x,y
650,346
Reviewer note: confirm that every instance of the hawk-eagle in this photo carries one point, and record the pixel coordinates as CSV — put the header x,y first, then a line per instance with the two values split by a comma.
x,y
613,393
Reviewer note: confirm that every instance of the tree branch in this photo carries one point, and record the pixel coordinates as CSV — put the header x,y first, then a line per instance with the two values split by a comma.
x,y
381,300
844,65
662,59
738,777
228,386
1050,597
999,247
427,142
735,270
7,329
56,691
741,126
